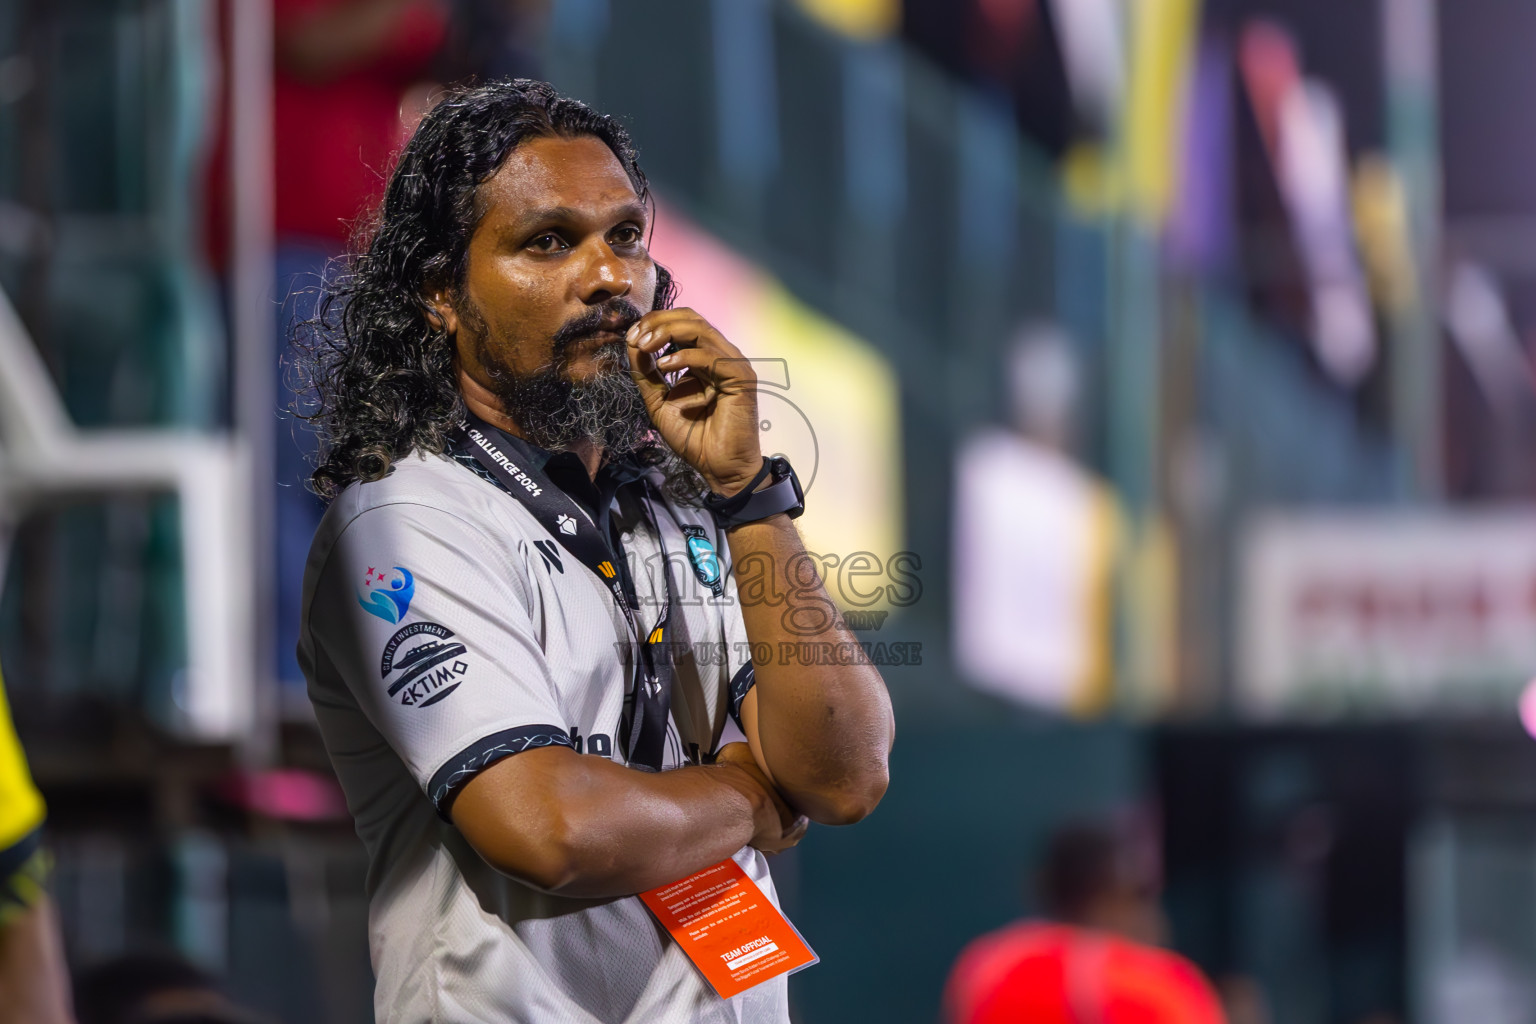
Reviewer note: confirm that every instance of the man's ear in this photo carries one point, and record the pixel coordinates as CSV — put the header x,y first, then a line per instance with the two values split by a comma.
x,y
438,300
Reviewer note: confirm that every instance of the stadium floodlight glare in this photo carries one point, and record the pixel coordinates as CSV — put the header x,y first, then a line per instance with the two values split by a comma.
x,y
45,459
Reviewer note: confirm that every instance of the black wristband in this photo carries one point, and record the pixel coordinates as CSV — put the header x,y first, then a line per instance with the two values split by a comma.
x,y
748,505
723,506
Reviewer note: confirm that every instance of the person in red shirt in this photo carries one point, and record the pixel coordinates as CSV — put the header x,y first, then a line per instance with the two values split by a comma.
x,y
343,69
1095,960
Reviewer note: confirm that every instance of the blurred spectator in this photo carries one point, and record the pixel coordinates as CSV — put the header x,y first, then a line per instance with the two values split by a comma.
x,y
1033,543
344,69
1242,997
154,988
1093,961
34,987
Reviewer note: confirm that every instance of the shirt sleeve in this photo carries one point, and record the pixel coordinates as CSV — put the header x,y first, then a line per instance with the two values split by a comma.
x,y
21,808
22,860
429,622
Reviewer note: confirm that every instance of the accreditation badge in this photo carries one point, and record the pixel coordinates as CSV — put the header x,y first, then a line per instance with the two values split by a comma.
x,y
729,928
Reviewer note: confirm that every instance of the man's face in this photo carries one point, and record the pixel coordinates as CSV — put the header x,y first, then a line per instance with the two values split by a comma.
x,y
557,268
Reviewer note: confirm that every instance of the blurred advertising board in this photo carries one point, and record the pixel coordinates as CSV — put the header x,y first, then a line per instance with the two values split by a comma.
x,y
1387,612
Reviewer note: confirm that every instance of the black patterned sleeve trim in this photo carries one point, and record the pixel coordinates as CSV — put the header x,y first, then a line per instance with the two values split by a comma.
x,y
741,685
459,769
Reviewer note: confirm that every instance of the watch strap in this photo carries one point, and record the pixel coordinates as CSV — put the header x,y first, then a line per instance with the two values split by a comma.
x,y
748,505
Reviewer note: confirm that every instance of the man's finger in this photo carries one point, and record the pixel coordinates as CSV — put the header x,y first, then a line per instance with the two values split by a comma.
x,y
651,380
703,362
678,322
690,333
663,316
791,838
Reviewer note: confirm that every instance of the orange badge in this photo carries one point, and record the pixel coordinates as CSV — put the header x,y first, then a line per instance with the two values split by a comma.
x,y
729,929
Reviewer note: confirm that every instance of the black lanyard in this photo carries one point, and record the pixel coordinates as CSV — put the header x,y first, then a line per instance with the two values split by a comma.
x,y
567,522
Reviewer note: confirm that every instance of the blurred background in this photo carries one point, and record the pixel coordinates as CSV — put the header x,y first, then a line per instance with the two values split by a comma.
x,y
1165,368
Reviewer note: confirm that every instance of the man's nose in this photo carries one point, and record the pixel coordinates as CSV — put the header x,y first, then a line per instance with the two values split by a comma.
x,y
603,275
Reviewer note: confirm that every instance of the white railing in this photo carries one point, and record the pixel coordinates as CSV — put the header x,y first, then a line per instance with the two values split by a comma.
x,y
46,460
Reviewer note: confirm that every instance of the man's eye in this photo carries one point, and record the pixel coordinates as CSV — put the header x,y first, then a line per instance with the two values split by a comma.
x,y
548,242
627,235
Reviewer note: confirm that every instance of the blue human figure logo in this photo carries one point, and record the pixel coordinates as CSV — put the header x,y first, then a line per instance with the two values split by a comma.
x,y
387,595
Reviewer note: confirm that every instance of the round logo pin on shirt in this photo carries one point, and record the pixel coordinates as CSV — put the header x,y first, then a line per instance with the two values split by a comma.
x,y
706,563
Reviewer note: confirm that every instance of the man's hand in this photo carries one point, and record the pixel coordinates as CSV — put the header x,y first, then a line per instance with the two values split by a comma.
x,y
778,826
710,416
822,733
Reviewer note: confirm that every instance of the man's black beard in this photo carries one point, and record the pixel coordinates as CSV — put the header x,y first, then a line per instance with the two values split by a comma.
x,y
555,412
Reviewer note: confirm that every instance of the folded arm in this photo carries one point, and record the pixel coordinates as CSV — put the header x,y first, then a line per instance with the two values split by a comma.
x,y
821,732
582,825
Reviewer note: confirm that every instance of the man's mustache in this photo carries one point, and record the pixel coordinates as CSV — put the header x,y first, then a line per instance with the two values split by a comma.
x,y
618,314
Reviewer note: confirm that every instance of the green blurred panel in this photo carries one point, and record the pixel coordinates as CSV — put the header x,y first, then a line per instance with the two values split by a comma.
x,y
92,604
114,353
665,98
109,71
1293,439
101,116
90,155
929,237
889,903
804,198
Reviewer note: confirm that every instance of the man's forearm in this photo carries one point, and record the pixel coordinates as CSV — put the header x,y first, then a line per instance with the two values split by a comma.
x,y
580,825
32,973
823,733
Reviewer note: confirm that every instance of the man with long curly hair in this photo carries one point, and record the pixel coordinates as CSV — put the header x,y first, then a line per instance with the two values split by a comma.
x,y
530,661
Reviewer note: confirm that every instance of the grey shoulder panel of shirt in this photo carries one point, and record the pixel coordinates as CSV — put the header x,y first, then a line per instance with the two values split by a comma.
x,y
437,482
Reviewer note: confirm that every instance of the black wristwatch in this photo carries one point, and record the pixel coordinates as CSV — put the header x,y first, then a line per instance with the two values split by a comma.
x,y
748,505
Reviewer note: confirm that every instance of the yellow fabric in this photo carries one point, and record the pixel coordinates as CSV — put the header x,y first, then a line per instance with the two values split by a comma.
x,y
1140,174
1381,222
1163,34
861,19
1094,693
21,806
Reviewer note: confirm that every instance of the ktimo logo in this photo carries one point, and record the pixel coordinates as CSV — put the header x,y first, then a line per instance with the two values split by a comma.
x,y
426,662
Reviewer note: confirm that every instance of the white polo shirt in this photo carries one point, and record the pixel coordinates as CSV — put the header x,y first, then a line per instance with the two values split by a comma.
x,y
445,629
